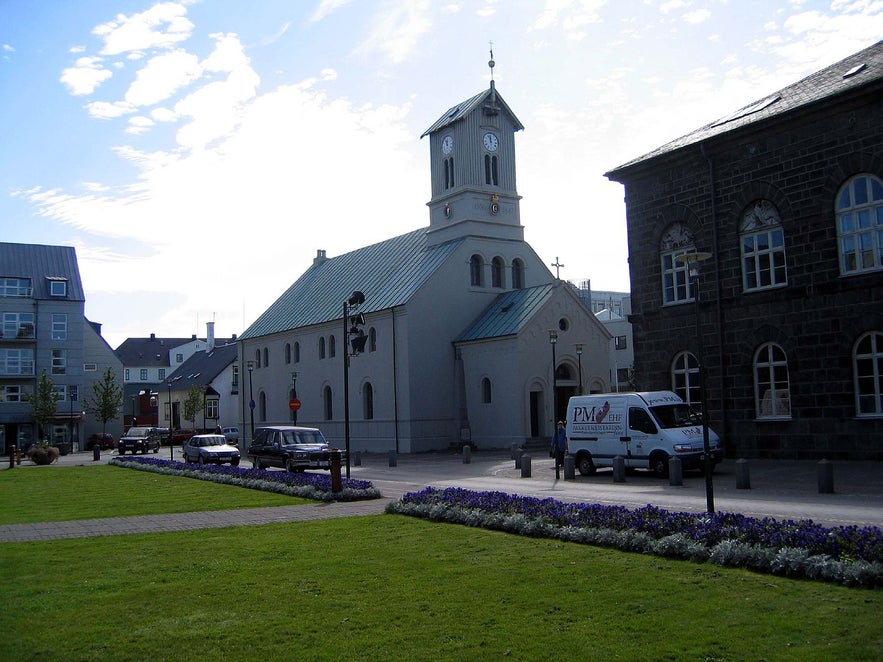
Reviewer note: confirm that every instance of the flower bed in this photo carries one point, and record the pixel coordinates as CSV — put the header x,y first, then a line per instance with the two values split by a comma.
x,y
305,485
847,555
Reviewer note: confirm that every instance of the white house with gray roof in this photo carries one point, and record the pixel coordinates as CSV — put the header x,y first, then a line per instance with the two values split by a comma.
x,y
457,318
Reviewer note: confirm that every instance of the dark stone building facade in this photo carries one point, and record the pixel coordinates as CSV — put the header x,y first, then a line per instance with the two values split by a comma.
x,y
784,199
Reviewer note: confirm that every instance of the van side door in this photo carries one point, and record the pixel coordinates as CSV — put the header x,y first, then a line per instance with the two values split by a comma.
x,y
642,433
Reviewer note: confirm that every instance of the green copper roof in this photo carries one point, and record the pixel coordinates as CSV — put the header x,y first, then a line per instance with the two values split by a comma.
x,y
508,313
387,273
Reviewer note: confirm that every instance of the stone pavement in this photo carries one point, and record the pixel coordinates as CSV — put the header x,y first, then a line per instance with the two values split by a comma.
x,y
778,488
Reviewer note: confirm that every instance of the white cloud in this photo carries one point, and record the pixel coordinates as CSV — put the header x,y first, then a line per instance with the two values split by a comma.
x,y
85,76
162,76
162,26
396,30
326,8
697,17
105,110
139,124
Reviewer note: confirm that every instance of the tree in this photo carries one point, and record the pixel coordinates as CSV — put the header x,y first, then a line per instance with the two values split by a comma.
x,y
45,403
193,402
106,399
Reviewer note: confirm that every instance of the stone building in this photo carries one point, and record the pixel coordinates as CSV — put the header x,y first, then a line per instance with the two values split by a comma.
x,y
784,199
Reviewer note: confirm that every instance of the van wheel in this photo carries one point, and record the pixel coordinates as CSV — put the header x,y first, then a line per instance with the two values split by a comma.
x,y
585,465
257,463
659,464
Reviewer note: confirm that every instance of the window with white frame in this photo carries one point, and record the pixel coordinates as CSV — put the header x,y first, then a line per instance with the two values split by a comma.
x,y
685,378
18,325
868,369
762,241
143,374
15,287
620,342
58,288
161,374
212,408
59,326
772,389
12,393
860,225
676,286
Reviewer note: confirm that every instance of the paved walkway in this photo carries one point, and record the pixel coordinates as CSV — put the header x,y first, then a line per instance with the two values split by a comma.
x,y
780,489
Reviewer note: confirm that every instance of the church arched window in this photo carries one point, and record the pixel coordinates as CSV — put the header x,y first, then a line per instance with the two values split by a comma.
x,y
476,269
497,272
491,170
517,274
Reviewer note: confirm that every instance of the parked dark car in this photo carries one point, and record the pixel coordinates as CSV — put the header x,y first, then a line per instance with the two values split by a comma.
x,y
288,447
209,448
139,439
104,440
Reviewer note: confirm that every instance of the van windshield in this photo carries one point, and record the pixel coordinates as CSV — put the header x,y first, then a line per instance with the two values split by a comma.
x,y
676,416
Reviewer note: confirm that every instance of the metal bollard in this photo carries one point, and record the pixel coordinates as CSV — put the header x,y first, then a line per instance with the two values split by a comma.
x,y
357,459
743,479
96,452
525,466
619,469
393,459
514,450
336,482
467,454
569,468
826,477
519,453
675,471
12,450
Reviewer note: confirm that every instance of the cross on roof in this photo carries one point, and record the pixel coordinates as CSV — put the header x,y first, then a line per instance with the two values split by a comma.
x,y
557,264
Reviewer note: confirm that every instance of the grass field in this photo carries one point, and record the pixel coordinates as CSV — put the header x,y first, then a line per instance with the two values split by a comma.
x,y
389,587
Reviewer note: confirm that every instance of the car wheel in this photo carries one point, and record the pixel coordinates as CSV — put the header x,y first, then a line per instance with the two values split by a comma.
x,y
234,462
585,465
257,463
288,466
201,460
659,464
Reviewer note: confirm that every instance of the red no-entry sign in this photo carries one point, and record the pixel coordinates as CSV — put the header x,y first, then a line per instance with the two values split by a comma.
x,y
294,404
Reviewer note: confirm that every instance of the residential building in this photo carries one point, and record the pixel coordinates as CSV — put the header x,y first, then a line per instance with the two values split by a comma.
x,y
780,206
44,329
468,338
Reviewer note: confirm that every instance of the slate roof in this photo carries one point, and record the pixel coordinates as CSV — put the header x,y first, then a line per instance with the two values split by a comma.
x,y
149,351
388,273
461,110
857,71
43,264
202,368
508,313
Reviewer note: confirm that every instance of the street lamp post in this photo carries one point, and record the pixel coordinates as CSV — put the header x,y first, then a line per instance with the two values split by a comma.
x,y
171,448
579,361
133,410
294,395
350,327
553,340
693,261
250,366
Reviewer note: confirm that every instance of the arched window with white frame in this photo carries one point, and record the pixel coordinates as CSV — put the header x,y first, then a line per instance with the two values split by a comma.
x,y
676,286
762,243
772,388
685,378
860,225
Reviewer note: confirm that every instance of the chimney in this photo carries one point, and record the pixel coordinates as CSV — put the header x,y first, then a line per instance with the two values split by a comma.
x,y
209,337
153,336
320,257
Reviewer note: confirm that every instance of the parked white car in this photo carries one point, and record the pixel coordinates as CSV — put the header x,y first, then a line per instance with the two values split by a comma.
x,y
209,449
231,433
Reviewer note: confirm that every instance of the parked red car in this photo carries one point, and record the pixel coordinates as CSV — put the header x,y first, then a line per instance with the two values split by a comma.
x,y
103,439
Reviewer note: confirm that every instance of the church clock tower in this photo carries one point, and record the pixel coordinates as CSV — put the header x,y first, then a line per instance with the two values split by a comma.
x,y
472,152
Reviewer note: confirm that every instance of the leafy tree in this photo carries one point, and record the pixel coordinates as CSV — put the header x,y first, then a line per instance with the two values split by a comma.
x,y
194,401
106,399
45,402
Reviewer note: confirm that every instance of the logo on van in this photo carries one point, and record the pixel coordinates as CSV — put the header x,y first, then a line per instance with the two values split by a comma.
x,y
596,415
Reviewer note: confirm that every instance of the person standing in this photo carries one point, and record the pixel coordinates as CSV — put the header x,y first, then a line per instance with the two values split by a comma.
x,y
559,447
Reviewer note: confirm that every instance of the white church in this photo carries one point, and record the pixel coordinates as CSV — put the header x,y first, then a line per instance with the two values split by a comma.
x,y
467,336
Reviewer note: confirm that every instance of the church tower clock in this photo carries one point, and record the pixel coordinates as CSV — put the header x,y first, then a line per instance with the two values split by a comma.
x,y
472,153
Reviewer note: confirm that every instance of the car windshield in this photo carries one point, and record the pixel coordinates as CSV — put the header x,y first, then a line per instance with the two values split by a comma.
x,y
676,416
302,437
137,432
213,441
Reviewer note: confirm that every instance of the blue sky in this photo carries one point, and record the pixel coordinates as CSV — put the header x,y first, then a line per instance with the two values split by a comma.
x,y
198,154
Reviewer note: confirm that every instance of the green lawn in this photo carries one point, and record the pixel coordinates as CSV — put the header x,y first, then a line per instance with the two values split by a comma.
x,y
389,587
58,494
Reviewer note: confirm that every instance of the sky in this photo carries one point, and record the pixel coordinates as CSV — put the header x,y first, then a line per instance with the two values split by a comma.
x,y
197,154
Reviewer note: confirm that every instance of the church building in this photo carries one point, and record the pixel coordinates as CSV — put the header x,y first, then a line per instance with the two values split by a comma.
x,y
452,334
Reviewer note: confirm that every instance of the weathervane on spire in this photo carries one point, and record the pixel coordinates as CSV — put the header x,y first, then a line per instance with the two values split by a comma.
x,y
491,62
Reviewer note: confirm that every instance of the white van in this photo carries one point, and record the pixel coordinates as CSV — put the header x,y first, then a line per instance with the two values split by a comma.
x,y
646,429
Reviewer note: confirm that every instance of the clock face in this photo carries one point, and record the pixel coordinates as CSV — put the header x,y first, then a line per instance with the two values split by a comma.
x,y
448,145
491,142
